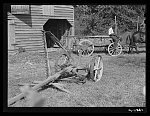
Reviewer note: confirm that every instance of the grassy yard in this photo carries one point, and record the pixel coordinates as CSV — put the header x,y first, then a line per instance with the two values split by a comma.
x,y
120,86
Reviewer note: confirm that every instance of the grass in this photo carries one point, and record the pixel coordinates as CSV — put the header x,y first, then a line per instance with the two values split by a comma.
x,y
120,85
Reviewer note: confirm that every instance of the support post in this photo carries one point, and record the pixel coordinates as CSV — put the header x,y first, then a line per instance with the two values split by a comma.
x,y
115,25
46,54
138,24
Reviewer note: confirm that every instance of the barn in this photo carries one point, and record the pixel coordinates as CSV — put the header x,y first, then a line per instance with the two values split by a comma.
x,y
26,22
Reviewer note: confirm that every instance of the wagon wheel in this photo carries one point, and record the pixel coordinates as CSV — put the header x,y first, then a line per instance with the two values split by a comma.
x,y
62,61
96,68
114,51
86,48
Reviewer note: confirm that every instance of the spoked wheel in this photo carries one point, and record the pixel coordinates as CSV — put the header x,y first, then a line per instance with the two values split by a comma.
x,y
62,61
114,51
86,48
96,68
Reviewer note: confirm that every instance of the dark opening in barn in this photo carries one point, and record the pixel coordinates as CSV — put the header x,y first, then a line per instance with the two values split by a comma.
x,y
59,27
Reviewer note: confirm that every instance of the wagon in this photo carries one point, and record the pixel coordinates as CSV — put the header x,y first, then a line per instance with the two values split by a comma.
x,y
86,45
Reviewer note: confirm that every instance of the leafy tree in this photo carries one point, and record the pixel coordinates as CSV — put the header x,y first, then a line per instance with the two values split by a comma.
x,y
96,19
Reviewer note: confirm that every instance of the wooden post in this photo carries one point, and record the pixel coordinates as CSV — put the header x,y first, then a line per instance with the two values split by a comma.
x,y
46,53
138,24
115,25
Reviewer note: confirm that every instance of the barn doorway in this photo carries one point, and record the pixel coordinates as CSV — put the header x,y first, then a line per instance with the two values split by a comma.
x,y
59,27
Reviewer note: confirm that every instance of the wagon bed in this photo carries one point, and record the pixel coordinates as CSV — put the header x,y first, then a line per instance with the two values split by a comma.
x,y
98,41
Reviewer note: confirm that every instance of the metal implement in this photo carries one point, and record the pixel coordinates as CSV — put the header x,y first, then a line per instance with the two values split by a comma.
x,y
96,68
85,48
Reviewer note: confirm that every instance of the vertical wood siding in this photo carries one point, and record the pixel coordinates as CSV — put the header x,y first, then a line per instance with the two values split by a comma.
x,y
67,12
28,27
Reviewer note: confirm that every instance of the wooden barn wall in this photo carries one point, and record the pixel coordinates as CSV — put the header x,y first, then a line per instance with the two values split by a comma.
x,y
67,12
28,27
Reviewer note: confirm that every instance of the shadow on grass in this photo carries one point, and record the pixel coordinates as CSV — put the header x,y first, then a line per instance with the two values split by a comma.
x,y
134,52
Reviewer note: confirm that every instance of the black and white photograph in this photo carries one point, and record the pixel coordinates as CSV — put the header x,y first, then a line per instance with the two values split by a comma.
x,y
77,56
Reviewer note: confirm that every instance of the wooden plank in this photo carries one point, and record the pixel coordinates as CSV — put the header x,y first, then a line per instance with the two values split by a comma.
x,y
20,9
43,17
46,54
36,50
63,6
40,16
31,30
48,9
35,22
36,5
65,15
33,48
29,43
30,23
28,40
36,12
28,32
34,38
28,27
11,34
31,37
49,80
27,49
10,16
36,8
24,29
24,24
64,11
33,19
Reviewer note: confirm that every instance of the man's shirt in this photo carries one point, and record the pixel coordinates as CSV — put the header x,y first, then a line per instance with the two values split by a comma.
x,y
110,31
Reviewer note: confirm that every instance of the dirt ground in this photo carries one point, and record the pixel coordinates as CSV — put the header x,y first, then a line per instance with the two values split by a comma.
x,y
120,86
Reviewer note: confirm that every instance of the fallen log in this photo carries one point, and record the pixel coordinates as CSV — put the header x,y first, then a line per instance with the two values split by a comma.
x,y
60,87
49,81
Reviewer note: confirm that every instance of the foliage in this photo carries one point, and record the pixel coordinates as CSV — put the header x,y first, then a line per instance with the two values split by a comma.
x,y
96,19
